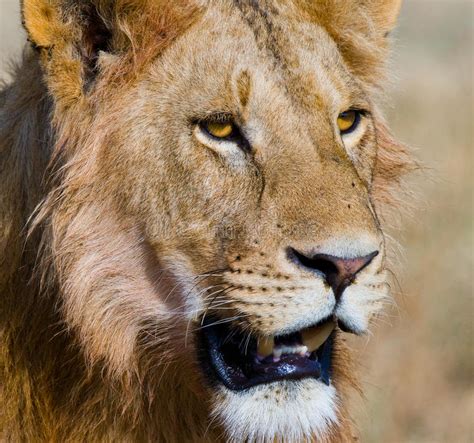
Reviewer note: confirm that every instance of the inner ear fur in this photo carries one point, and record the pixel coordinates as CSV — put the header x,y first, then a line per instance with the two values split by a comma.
x,y
54,23
70,35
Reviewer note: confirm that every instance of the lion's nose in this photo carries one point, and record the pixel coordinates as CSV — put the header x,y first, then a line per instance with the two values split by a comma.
x,y
338,272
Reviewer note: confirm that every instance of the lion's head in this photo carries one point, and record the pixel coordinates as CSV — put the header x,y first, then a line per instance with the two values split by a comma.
x,y
210,223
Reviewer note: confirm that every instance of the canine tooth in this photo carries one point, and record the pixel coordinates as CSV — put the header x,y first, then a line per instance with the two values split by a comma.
x,y
265,346
313,338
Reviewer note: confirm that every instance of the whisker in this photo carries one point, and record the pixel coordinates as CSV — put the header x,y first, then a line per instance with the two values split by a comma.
x,y
221,321
218,293
249,336
202,320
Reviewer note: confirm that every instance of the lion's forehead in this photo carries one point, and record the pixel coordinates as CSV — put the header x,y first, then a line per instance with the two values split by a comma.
x,y
266,43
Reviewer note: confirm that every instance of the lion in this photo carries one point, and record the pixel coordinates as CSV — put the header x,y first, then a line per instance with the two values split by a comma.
x,y
191,218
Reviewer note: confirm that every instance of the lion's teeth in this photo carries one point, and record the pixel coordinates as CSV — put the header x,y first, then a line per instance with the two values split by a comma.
x,y
313,338
303,351
277,354
299,349
282,349
265,346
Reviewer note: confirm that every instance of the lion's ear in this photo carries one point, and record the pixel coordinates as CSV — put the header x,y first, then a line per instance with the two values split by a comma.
x,y
384,13
58,23
41,21
68,36
71,35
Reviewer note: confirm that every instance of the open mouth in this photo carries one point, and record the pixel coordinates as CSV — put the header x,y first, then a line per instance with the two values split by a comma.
x,y
240,361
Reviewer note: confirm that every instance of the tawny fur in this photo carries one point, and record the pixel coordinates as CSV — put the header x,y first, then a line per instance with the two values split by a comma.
x,y
92,345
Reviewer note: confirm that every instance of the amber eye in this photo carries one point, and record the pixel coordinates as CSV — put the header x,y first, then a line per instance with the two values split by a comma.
x,y
219,129
348,121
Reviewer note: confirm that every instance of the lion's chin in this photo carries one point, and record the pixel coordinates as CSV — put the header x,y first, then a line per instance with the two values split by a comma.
x,y
287,411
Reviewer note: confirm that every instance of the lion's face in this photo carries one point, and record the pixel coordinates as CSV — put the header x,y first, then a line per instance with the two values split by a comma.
x,y
249,169
218,212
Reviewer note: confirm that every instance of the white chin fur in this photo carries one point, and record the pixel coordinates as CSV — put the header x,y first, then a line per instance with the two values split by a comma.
x,y
300,410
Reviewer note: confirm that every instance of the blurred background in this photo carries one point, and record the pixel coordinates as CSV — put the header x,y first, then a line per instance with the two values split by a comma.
x,y
418,366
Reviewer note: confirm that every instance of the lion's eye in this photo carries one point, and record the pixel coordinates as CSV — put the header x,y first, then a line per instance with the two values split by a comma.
x,y
219,129
220,132
348,121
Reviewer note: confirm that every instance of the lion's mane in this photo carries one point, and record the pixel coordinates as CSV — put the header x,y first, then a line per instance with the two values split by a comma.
x,y
63,245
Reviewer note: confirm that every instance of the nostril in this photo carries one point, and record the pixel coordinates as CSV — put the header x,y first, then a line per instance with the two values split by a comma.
x,y
317,263
338,272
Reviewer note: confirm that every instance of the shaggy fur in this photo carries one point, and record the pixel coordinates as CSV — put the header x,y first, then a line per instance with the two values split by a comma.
x,y
121,224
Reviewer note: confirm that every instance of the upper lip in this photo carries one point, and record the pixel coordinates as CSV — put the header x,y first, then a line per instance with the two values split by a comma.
x,y
241,360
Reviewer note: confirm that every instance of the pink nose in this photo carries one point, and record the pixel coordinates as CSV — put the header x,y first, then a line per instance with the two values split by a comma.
x,y
338,272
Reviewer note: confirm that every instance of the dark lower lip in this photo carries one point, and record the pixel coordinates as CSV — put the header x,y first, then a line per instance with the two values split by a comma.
x,y
229,357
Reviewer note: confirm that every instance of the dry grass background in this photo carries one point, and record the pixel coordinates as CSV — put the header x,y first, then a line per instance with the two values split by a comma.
x,y
418,366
